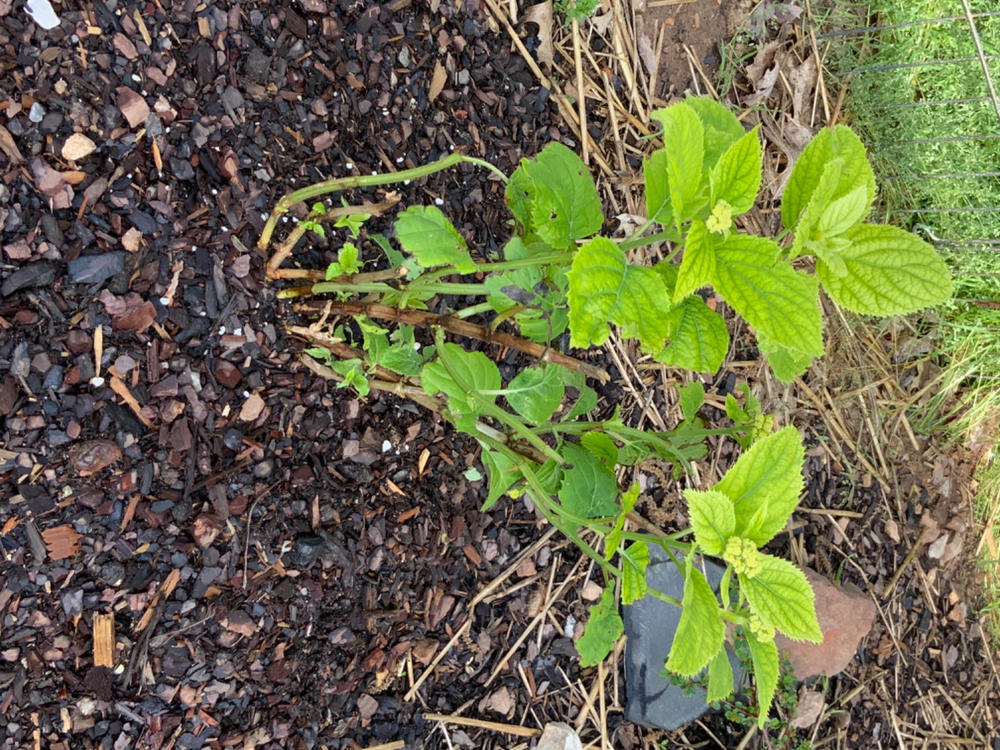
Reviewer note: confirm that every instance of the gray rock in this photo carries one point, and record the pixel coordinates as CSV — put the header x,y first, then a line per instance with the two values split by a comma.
x,y
31,275
96,269
650,625
559,736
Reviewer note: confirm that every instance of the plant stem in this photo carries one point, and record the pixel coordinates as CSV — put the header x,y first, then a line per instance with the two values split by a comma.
x,y
667,235
468,312
338,184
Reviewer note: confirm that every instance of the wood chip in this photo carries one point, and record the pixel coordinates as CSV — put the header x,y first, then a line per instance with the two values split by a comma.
x,y
104,640
78,146
61,542
438,79
251,408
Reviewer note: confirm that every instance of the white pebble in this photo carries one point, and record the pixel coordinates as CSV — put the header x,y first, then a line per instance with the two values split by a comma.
x,y
438,201
97,381
165,301
386,446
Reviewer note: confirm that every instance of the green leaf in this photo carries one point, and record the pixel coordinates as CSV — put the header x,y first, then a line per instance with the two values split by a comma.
x,y
698,336
584,404
519,195
472,474
764,657
782,597
888,272
684,136
713,519
502,473
395,258
698,264
603,629
720,678
658,206
604,288
774,298
589,488
601,446
536,392
430,237
737,176
474,372
844,212
635,560
692,396
353,222
348,258
722,127
701,631
564,202
353,374
829,144
785,363
764,485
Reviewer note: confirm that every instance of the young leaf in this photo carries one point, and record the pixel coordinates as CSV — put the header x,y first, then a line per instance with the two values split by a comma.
x,y
829,144
701,631
774,298
604,627
589,488
564,202
658,206
698,264
353,373
722,127
692,396
502,474
353,222
782,597
720,677
736,178
635,560
604,288
601,446
430,237
712,518
764,485
699,338
536,392
844,212
614,537
518,196
764,657
347,258
684,136
888,272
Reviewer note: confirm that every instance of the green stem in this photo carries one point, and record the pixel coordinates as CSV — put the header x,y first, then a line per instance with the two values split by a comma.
x,y
468,312
441,287
667,235
339,184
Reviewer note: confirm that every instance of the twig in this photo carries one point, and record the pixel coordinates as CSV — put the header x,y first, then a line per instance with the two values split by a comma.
x,y
904,565
460,327
483,724
581,100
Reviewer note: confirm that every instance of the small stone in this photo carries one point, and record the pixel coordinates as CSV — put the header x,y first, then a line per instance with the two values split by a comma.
x,y
93,455
559,736
78,341
96,269
78,146
36,113
227,373
26,277
233,439
132,106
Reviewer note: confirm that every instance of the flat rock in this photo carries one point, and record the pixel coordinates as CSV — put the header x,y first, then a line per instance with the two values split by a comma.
x,y
31,275
845,616
559,736
650,625
95,269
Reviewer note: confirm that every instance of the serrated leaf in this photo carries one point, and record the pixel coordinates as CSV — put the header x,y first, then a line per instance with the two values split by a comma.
x,y
698,336
589,488
536,392
601,446
785,363
782,597
770,295
473,372
692,396
713,519
635,560
764,657
737,176
888,272
502,473
764,485
844,212
564,202
604,288
518,196
684,136
722,127
584,403
430,237
698,264
839,142
720,678
654,172
701,631
604,628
